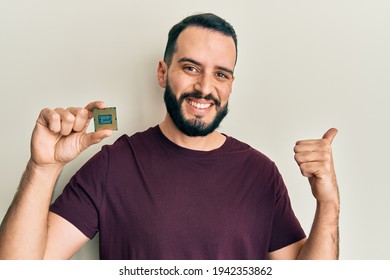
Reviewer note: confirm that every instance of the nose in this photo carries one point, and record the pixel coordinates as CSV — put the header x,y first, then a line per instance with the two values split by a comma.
x,y
204,84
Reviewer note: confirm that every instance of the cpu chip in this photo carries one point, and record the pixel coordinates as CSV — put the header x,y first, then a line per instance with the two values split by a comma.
x,y
105,118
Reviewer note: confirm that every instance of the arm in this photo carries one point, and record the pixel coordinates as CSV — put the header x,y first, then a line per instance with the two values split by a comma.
x,y
28,231
315,160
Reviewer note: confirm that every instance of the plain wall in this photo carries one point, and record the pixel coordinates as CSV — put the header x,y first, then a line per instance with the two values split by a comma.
x,y
303,67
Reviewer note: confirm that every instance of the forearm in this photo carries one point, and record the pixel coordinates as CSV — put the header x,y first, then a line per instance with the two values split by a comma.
x,y
323,240
23,233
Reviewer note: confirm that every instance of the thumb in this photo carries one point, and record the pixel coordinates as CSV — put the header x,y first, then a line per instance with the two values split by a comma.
x,y
330,134
94,137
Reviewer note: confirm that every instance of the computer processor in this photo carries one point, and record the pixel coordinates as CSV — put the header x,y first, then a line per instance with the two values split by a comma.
x,y
105,118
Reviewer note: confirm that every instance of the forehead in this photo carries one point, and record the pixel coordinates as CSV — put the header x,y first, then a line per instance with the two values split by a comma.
x,y
206,46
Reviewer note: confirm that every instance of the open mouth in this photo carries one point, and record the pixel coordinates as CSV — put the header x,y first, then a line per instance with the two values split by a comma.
x,y
199,105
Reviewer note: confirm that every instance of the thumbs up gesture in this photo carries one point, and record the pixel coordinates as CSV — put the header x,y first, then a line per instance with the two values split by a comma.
x,y
315,160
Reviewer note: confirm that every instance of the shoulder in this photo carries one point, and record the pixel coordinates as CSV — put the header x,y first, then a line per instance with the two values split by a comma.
x,y
252,161
254,164
238,147
124,142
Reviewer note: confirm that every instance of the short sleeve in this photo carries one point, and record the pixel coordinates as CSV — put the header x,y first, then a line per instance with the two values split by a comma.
x,y
286,228
80,200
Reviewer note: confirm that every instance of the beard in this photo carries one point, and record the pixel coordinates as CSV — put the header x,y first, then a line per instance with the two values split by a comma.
x,y
194,127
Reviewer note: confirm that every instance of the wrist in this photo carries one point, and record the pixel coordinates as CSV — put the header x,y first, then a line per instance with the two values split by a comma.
x,y
36,174
33,167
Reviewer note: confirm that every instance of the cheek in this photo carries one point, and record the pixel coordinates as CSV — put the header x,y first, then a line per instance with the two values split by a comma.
x,y
179,84
224,92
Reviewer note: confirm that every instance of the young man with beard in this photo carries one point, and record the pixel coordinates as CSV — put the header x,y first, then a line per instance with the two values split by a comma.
x,y
179,190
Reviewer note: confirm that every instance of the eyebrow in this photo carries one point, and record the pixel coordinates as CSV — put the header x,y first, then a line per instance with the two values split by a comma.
x,y
187,59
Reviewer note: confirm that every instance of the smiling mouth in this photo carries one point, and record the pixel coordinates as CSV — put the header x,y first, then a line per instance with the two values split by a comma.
x,y
198,105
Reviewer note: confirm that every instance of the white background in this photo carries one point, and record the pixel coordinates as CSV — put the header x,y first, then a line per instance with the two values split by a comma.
x,y
280,270
303,67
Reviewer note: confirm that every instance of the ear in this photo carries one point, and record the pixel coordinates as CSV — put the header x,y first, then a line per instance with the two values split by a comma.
x,y
162,72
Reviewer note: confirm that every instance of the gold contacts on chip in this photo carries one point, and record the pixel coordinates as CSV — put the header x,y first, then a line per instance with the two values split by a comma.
x,y
105,118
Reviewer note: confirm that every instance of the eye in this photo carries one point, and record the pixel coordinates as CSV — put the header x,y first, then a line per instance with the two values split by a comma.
x,y
222,75
190,68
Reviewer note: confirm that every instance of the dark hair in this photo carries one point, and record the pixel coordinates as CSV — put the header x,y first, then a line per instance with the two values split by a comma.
x,y
208,21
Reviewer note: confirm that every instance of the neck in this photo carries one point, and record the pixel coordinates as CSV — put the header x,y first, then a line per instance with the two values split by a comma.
x,y
209,142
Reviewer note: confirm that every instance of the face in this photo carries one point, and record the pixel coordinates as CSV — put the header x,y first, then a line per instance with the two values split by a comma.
x,y
199,80
196,126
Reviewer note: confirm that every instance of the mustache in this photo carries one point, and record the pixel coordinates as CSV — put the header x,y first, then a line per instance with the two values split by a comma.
x,y
198,95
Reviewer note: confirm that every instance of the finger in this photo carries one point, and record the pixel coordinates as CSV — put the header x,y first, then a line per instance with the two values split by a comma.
x,y
67,121
315,169
307,142
330,135
95,137
81,118
312,157
50,119
93,105
312,145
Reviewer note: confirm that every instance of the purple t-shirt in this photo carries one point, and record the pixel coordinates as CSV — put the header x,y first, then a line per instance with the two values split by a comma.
x,y
151,199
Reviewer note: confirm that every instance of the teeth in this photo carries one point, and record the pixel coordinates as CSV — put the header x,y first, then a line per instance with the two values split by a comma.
x,y
199,105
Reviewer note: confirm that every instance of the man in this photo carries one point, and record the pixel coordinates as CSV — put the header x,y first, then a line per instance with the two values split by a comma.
x,y
180,190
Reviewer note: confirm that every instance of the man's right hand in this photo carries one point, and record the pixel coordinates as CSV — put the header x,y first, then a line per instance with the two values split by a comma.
x,y
29,230
60,135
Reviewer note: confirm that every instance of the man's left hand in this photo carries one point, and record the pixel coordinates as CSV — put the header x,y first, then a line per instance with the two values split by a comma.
x,y
315,160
